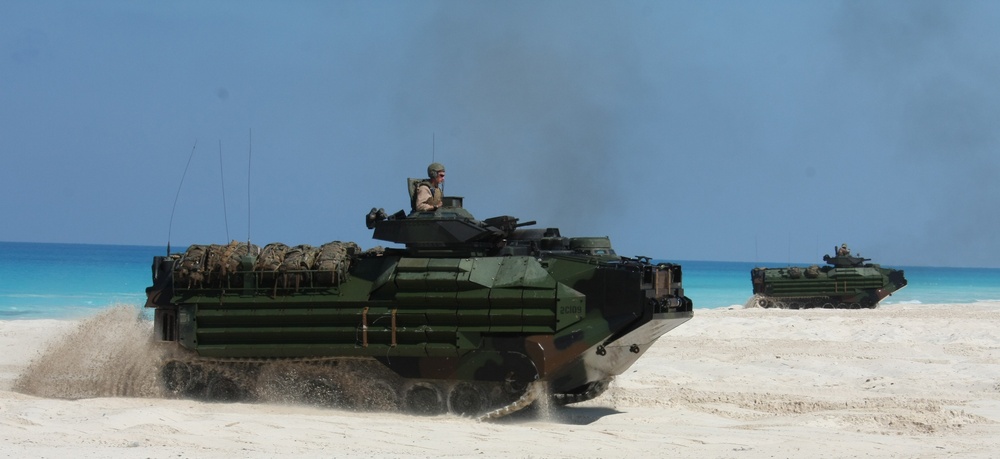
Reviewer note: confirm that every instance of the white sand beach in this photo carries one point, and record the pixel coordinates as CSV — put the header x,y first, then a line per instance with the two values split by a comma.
x,y
897,381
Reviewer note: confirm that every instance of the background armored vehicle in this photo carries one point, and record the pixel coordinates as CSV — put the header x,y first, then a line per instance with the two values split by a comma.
x,y
848,282
472,317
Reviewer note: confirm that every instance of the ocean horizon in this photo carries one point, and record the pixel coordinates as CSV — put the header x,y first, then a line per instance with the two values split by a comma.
x,y
69,281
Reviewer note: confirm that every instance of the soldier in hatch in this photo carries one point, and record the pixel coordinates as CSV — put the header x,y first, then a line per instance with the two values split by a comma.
x,y
428,195
843,251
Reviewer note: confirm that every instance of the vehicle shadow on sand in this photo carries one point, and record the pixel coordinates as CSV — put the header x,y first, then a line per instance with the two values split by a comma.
x,y
570,415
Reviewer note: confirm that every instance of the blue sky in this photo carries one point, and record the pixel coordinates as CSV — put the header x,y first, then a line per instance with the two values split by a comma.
x,y
762,131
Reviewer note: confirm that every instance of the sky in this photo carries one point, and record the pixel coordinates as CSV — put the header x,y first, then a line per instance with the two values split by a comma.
x,y
764,131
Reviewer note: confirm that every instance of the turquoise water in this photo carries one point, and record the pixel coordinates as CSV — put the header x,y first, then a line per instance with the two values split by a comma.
x,y
75,280
71,280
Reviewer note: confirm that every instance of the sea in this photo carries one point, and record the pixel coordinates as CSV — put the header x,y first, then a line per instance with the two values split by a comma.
x,y
71,281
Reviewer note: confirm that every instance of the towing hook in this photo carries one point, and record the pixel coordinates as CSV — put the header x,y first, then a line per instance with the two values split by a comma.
x,y
601,350
634,348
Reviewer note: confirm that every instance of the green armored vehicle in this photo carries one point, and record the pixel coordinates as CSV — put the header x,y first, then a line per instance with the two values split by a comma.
x,y
848,282
472,317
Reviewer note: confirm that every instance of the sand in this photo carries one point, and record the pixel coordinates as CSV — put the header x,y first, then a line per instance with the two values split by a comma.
x,y
897,381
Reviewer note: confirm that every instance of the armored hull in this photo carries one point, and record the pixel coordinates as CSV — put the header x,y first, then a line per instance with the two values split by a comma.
x,y
478,318
847,282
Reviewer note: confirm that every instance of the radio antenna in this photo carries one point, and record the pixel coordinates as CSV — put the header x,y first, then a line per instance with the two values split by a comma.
x,y
433,160
789,240
249,157
222,179
170,226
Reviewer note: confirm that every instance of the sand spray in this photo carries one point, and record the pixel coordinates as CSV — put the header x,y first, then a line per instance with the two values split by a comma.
x,y
108,355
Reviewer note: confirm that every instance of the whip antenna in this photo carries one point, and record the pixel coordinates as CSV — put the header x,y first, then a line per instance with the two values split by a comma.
x,y
433,151
789,240
170,226
249,157
222,179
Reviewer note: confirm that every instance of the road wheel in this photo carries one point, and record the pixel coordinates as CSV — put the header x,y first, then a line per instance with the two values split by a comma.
x,y
466,399
424,398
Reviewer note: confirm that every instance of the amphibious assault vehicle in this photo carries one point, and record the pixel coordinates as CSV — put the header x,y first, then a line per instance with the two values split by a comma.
x,y
472,317
848,282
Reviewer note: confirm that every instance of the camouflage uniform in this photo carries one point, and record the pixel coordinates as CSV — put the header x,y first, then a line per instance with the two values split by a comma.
x,y
428,197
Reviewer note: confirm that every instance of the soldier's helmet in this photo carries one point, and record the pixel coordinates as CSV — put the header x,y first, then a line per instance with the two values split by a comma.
x,y
434,168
